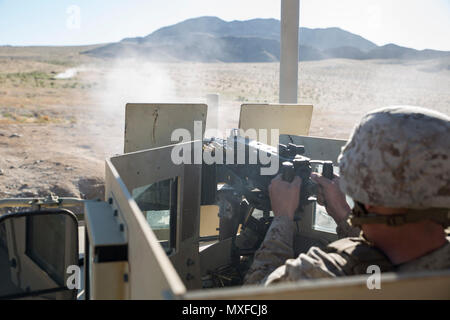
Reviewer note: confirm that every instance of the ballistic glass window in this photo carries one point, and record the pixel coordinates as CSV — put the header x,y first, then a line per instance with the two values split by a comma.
x,y
158,203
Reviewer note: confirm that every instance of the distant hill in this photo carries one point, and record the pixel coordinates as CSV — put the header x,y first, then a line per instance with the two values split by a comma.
x,y
210,39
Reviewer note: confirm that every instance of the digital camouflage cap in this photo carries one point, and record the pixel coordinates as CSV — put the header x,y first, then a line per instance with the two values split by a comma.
x,y
398,157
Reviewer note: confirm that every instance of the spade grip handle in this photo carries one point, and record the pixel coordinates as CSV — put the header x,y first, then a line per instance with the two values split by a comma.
x,y
327,170
287,171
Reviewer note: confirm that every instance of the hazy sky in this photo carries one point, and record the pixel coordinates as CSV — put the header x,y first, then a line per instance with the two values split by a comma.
x,y
413,23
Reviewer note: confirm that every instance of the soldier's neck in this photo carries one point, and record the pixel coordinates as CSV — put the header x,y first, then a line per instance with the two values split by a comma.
x,y
407,242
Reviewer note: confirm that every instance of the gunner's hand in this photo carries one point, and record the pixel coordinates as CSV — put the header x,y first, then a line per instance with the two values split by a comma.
x,y
330,196
284,196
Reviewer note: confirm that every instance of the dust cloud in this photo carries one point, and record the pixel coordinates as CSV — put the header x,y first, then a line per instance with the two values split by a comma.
x,y
136,80
125,81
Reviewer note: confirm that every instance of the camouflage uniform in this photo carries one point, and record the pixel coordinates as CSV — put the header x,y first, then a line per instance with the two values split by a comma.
x,y
274,261
396,157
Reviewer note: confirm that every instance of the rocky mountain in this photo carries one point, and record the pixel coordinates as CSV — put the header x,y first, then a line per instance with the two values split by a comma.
x,y
210,39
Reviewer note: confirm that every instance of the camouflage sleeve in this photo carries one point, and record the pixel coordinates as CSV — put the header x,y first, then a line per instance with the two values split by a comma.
x,y
276,248
274,261
312,265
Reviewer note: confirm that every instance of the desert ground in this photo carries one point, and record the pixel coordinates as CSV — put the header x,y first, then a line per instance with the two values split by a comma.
x,y
62,112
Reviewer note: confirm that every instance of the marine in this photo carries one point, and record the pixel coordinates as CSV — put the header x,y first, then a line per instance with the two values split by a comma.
x,y
396,168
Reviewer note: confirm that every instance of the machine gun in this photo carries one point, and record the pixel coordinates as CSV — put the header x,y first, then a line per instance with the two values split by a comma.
x,y
241,188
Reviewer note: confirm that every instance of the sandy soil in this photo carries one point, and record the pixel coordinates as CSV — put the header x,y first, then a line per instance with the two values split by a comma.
x,y
56,132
